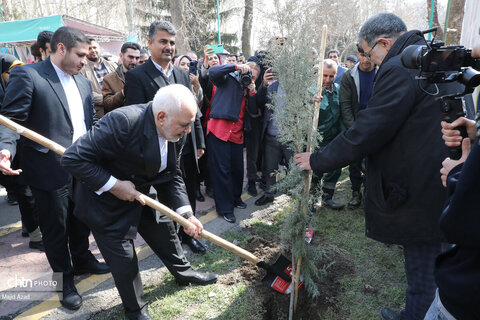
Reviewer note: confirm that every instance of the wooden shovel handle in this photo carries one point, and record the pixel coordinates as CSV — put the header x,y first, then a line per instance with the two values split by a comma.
x,y
55,147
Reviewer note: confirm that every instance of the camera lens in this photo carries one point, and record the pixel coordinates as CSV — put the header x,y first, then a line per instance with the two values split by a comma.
x,y
412,56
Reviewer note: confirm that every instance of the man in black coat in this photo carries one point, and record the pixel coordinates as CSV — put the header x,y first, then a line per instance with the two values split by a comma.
x,y
51,99
143,82
404,196
129,149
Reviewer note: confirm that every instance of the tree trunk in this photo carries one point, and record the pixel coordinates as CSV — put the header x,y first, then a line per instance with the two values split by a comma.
x,y
129,14
455,21
435,22
178,20
247,28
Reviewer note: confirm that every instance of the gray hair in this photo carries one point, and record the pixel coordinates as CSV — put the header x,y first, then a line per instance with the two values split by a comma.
x,y
383,24
329,64
169,99
160,25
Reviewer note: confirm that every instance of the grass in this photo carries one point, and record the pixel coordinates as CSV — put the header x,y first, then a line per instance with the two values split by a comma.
x,y
377,280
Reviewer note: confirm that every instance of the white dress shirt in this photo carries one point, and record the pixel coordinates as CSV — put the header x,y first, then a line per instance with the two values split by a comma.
x,y
74,100
160,68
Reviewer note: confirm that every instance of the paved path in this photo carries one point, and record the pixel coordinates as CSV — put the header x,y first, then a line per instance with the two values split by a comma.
x,y
98,291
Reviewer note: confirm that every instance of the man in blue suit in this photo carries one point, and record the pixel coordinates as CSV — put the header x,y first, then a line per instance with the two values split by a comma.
x,y
51,99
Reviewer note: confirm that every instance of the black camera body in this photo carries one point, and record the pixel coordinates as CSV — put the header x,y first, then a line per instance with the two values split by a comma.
x,y
438,64
192,67
245,79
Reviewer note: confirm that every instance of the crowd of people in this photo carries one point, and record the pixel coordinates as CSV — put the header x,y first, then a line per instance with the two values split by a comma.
x,y
175,121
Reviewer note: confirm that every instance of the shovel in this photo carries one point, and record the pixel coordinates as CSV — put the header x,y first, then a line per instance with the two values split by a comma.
x,y
278,275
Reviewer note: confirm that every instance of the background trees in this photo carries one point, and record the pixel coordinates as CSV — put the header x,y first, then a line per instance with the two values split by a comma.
x,y
245,25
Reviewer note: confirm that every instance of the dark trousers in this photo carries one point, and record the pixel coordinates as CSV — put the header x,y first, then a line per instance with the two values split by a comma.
x,y
274,153
64,236
26,203
419,268
226,172
355,174
190,177
330,178
252,144
123,262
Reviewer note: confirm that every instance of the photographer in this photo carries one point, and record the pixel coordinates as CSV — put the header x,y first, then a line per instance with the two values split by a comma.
x,y
457,271
398,133
229,118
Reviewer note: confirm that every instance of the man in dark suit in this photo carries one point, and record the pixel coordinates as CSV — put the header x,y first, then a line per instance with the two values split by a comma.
x,y
52,99
129,149
143,82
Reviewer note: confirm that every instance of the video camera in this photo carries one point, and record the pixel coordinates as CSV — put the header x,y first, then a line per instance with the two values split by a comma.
x,y
438,64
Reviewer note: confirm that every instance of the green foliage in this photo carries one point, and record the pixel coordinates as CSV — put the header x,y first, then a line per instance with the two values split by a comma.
x,y
293,63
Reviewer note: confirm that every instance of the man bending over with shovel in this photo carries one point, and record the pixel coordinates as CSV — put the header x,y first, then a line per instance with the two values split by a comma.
x,y
129,150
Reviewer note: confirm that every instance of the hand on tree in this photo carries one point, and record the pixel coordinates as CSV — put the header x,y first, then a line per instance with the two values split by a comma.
x,y
317,99
303,160
448,164
5,164
452,136
196,231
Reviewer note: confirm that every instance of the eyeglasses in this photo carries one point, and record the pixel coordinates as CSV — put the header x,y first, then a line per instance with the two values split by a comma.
x,y
368,54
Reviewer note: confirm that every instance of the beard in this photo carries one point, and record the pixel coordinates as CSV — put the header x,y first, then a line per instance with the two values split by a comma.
x,y
167,135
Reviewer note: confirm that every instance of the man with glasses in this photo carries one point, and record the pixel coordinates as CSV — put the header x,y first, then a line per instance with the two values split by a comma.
x,y
399,133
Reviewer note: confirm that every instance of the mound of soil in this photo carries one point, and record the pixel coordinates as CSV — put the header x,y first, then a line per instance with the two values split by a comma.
x,y
267,245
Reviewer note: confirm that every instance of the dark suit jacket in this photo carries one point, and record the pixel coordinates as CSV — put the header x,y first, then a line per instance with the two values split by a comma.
x,y
123,144
35,98
143,82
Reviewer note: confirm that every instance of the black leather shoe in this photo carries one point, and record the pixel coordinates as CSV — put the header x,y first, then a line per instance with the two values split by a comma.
x,y
195,245
389,314
263,200
91,266
36,245
199,196
230,217
252,188
197,277
240,204
139,315
330,203
71,299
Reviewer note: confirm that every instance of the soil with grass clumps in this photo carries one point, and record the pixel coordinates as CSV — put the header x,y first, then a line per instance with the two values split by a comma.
x,y
267,245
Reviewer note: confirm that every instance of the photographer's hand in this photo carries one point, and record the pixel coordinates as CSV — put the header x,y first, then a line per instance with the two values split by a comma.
x,y
448,164
452,136
244,68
